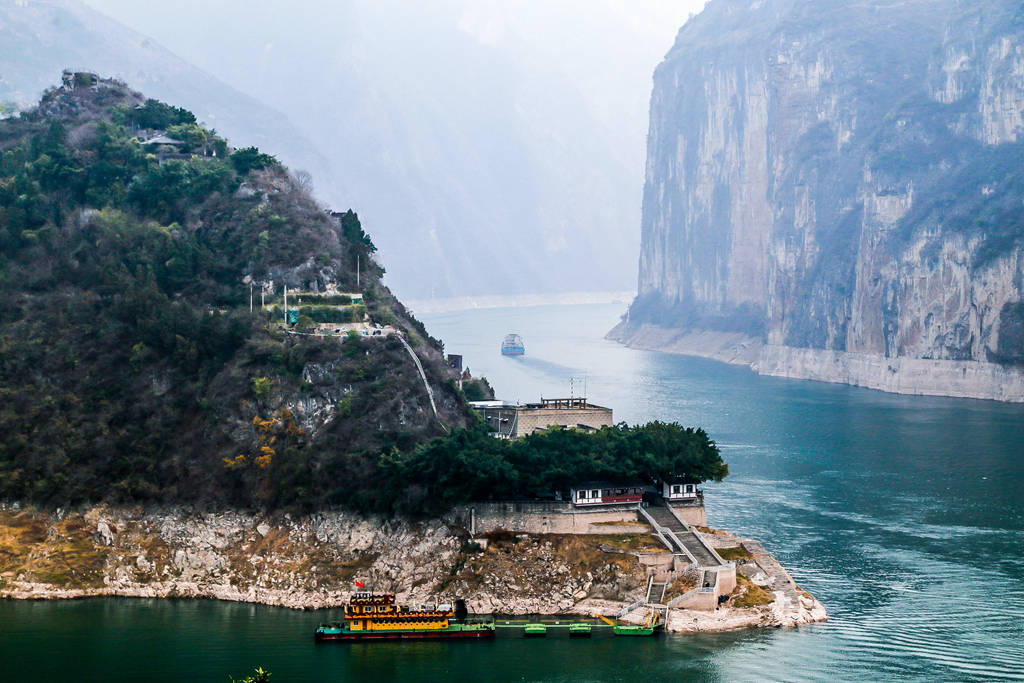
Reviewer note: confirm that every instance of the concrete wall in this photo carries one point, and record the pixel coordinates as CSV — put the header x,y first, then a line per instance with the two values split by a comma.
x,y
691,514
705,600
726,579
545,518
540,418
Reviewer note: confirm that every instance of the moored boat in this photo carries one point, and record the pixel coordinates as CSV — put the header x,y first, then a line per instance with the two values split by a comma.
x,y
376,616
649,627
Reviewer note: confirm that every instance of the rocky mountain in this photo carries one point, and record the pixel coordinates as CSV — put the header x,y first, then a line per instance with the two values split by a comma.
x,y
834,191
136,363
39,38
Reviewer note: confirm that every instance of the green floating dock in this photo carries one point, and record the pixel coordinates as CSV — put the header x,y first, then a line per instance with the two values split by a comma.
x,y
633,630
539,629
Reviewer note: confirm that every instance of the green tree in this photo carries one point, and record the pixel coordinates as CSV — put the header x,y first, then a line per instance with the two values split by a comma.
x,y
251,159
152,114
260,387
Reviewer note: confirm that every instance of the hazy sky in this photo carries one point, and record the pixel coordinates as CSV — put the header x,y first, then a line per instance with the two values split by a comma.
x,y
609,46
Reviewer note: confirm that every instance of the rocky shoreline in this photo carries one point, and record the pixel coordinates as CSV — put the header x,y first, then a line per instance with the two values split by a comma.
x,y
312,562
903,375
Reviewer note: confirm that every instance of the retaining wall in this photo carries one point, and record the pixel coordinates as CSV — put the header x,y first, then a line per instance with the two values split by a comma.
x,y
545,518
691,514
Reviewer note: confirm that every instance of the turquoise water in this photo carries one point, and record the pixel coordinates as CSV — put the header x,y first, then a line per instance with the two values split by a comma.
x,y
903,515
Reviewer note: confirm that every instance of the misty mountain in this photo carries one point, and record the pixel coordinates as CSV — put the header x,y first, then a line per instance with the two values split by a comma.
x,y
483,159
835,189
40,38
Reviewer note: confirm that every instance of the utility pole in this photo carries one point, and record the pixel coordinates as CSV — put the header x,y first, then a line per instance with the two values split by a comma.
x,y
250,298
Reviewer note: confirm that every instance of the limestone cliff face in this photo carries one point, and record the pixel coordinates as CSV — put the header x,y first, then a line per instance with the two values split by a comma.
x,y
842,177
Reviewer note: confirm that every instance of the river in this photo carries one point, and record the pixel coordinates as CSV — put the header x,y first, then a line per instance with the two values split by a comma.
x,y
903,515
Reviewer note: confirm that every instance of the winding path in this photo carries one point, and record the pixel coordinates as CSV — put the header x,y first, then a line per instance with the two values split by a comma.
x,y
423,376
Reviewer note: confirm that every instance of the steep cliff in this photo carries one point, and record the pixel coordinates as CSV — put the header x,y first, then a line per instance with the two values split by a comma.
x,y
835,189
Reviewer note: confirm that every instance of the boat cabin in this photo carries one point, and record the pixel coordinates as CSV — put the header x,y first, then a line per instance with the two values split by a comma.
x,y
678,490
605,493
379,611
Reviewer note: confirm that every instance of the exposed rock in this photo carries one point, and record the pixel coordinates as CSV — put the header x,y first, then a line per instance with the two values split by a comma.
x,y
103,533
312,562
831,193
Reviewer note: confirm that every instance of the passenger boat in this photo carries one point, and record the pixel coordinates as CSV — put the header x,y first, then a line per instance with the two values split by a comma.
x,y
512,345
376,616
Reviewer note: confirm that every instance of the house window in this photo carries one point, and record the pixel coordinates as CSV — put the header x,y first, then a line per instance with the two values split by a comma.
x,y
594,493
606,492
580,495
676,488
689,488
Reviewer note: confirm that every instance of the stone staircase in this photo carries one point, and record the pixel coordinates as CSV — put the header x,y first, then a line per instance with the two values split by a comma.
x,y
656,593
681,536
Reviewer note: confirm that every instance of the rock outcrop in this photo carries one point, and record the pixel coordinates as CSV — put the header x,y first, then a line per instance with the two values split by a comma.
x,y
838,184
312,562
303,562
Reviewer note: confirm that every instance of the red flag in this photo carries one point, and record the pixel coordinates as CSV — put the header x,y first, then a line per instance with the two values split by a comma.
x,y
359,584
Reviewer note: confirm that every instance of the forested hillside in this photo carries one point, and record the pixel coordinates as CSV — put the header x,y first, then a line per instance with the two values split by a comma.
x,y
131,367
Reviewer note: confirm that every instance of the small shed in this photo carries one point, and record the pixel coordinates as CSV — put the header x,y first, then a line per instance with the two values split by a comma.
x,y
680,490
605,493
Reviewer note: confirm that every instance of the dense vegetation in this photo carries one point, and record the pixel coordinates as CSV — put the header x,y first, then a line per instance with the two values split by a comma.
x,y
130,366
472,465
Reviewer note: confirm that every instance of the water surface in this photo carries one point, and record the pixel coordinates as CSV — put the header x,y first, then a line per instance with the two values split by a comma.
x,y
904,515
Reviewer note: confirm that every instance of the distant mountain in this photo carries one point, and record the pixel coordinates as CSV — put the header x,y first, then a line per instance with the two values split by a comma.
x,y
39,38
481,156
835,189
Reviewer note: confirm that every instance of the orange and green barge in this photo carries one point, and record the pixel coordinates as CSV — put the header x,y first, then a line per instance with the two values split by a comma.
x,y
376,616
